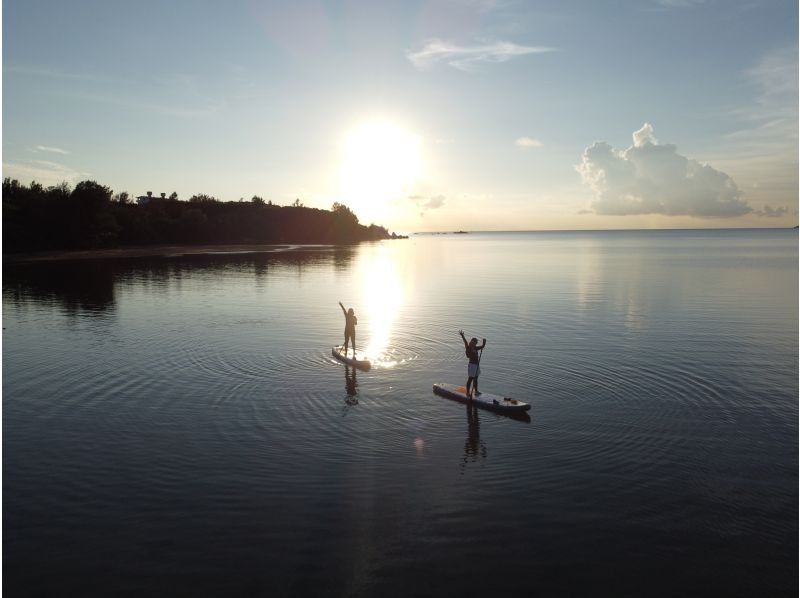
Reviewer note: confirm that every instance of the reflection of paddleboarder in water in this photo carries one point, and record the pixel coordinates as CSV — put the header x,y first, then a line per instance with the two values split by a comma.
x,y
350,322
350,383
472,349
473,446
350,387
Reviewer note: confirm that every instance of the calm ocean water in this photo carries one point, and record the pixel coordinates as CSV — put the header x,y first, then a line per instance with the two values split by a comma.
x,y
177,427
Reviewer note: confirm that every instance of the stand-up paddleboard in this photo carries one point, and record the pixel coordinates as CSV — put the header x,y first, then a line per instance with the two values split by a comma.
x,y
361,364
485,400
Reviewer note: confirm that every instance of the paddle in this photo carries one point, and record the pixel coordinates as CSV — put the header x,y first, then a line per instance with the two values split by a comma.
x,y
480,355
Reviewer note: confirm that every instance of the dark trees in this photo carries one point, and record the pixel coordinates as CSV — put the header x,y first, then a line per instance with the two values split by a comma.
x,y
35,218
89,220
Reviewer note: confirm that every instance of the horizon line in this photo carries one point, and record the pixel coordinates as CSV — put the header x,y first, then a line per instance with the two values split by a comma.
x,y
598,230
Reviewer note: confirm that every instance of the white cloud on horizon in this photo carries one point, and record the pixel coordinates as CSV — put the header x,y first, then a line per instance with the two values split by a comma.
x,y
652,178
465,57
528,142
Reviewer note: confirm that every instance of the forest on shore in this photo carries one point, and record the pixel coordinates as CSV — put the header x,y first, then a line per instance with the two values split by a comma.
x,y
91,216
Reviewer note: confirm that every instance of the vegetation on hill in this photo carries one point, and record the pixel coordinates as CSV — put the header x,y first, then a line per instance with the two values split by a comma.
x,y
90,216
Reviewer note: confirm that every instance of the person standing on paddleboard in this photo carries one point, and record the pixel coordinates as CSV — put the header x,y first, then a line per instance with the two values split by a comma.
x,y
350,322
471,348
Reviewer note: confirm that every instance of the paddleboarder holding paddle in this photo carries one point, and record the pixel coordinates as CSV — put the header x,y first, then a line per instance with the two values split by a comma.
x,y
350,322
473,352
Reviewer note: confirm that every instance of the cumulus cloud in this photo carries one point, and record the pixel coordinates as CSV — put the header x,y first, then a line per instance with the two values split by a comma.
x,y
528,142
465,57
644,135
653,178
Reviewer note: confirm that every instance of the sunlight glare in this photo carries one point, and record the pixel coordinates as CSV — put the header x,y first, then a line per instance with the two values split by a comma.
x,y
383,295
380,163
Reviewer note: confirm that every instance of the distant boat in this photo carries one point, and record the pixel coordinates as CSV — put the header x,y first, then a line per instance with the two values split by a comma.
x,y
460,232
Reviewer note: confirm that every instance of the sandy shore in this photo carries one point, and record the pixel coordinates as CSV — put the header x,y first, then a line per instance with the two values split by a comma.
x,y
145,251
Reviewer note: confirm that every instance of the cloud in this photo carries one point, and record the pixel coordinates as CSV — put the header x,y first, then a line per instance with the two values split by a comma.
x,y
768,121
187,101
178,110
644,135
57,74
770,118
528,142
425,203
775,76
465,57
47,148
653,178
770,212
42,171
434,202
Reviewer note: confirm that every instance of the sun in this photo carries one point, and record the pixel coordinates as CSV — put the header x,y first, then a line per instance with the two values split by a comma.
x,y
380,163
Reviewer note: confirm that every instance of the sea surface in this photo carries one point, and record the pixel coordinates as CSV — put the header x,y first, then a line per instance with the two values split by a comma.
x,y
177,426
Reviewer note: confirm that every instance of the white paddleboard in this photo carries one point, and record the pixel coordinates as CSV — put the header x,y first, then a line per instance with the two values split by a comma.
x,y
361,364
485,400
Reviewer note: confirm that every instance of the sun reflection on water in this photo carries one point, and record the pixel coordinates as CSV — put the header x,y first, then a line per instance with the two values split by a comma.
x,y
383,296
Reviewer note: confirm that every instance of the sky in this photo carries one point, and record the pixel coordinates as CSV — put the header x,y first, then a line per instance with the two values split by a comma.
x,y
419,116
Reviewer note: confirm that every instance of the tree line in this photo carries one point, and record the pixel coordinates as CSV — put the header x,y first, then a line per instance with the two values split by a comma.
x,y
37,218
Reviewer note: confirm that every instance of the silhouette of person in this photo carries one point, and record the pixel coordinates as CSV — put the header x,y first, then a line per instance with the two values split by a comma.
x,y
350,322
471,349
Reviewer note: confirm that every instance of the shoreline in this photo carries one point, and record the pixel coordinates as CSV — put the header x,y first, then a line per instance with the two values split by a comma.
x,y
151,251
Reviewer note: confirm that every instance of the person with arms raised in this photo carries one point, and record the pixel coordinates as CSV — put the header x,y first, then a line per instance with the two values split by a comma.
x,y
350,322
472,351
